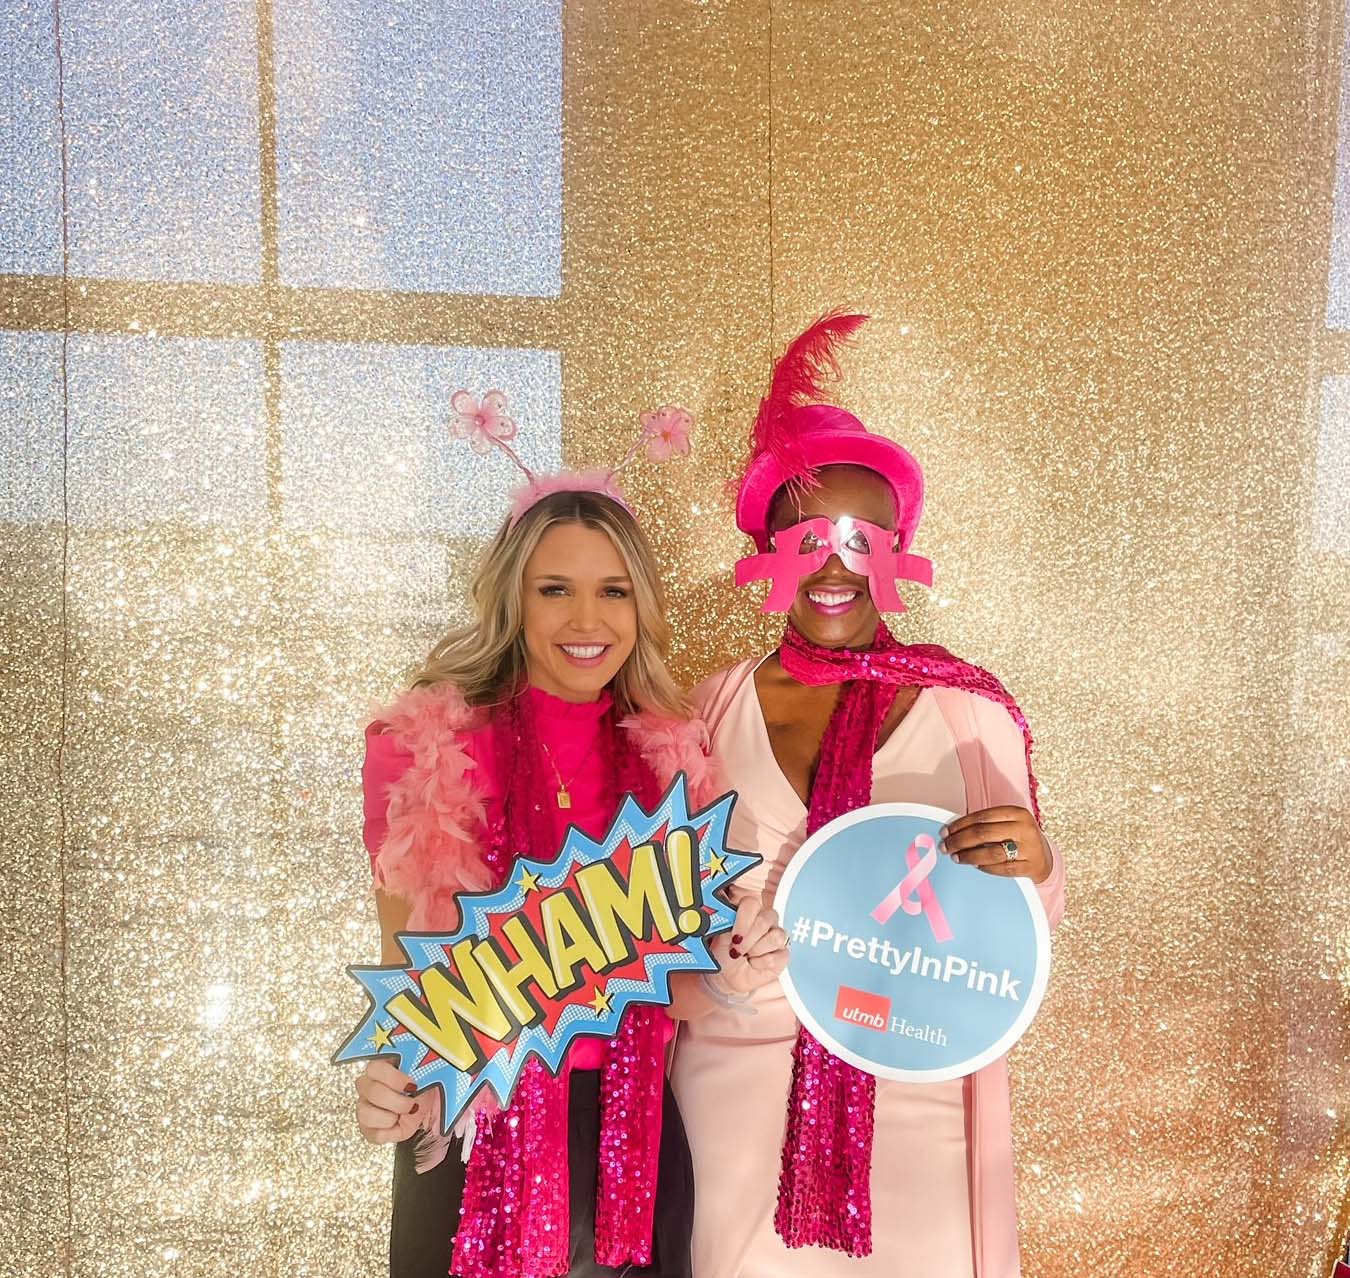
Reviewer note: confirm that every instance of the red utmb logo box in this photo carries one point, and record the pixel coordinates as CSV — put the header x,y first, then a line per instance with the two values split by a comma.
x,y
858,1007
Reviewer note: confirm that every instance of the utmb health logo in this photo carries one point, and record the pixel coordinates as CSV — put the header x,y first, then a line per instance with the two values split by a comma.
x,y
903,963
857,1007
873,1012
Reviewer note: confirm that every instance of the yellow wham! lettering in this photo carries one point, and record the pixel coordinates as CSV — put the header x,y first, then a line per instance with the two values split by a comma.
x,y
621,911
440,1023
512,982
569,940
498,994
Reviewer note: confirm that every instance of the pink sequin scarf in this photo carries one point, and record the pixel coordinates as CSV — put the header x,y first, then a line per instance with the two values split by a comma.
x,y
514,1221
824,1191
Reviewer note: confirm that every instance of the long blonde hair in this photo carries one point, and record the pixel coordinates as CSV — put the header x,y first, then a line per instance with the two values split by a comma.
x,y
485,660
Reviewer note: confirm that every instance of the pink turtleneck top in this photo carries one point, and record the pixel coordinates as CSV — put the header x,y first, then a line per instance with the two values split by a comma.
x,y
571,733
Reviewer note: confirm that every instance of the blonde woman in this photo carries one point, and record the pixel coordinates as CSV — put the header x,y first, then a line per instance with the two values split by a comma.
x,y
543,712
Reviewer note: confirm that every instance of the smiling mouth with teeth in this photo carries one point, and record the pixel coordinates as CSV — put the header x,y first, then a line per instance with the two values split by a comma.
x,y
831,598
583,652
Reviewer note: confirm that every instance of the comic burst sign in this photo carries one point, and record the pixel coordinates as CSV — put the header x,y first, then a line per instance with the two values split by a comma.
x,y
562,950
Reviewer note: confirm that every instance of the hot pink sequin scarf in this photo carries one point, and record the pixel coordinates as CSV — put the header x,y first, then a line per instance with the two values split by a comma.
x,y
824,1191
514,1221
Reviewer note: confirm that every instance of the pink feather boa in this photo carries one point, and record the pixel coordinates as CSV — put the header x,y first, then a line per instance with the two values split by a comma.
x,y
436,809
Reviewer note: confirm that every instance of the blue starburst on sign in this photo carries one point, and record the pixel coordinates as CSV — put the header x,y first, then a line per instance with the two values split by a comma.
x,y
598,1005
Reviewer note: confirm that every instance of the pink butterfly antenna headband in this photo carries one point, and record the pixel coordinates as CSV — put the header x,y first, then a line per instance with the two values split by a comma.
x,y
664,434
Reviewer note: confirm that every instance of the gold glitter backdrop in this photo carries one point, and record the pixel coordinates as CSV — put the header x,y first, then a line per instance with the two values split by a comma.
x,y
1095,240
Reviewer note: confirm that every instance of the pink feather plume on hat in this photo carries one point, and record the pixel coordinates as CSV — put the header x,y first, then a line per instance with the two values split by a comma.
x,y
797,380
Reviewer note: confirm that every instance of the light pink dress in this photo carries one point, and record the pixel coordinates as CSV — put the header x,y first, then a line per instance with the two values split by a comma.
x,y
732,1071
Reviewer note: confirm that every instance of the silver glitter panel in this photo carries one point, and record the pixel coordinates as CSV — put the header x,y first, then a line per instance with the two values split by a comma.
x,y
178,420
1338,284
353,413
30,408
162,121
30,140
421,155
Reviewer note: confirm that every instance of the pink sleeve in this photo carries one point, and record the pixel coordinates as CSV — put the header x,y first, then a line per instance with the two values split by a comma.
x,y
1006,781
386,761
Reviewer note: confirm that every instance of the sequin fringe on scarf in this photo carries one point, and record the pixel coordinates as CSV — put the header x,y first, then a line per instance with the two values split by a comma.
x,y
824,1191
514,1220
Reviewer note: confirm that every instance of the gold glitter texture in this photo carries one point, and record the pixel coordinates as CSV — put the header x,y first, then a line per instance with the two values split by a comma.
x,y
1093,241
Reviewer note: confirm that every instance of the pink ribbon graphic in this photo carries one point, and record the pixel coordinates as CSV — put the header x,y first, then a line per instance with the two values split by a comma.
x,y
917,879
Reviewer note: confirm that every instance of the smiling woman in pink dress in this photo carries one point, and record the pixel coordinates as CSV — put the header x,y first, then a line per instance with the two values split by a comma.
x,y
805,1165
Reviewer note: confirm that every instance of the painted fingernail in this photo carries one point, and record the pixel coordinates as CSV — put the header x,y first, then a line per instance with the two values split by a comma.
x,y
735,940
414,1109
735,953
410,1090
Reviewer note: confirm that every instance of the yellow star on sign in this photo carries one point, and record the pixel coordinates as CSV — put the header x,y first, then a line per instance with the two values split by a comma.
x,y
527,882
600,1002
381,1038
716,864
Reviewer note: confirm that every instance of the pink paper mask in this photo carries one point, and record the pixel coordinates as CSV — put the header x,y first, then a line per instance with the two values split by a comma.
x,y
864,549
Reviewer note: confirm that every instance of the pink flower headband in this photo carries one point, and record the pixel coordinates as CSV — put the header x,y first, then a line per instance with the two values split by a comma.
x,y
665,434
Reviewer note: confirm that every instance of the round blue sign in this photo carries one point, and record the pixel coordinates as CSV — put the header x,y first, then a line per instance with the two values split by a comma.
x,y
902,962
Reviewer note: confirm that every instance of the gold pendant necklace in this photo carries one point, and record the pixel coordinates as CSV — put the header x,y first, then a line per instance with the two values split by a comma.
x,y
564,795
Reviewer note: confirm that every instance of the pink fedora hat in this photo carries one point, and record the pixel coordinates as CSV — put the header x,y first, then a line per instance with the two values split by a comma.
x,y
793,437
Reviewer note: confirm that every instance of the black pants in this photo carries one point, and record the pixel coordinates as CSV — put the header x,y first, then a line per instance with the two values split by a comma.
x,y
426,1207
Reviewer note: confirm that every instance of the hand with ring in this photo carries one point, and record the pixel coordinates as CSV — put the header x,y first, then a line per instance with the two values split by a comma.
x,y
1005,840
